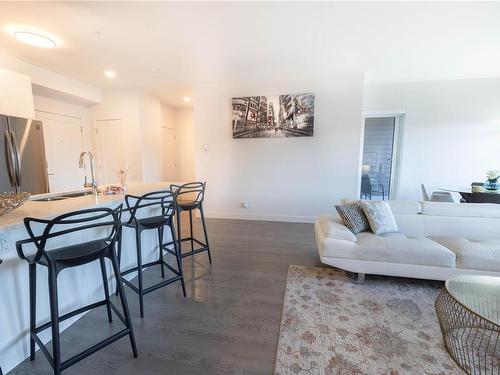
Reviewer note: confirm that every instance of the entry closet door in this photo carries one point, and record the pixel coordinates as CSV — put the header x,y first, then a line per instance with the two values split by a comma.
x,y
63,138
168,154
110,150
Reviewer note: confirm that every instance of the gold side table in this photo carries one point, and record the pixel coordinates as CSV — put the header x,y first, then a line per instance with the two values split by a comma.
x,y
468,310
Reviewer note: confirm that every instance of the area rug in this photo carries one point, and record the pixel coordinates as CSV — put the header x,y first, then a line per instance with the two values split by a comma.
x,y
331,325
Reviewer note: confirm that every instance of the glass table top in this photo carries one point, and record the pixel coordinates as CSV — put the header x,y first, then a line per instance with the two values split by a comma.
x,y
481,294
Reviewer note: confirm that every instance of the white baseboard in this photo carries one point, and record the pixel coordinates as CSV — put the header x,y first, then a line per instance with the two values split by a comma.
x,y
261,217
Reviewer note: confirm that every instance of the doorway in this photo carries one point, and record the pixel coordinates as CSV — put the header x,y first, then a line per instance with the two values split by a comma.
x,y
379,168
63,138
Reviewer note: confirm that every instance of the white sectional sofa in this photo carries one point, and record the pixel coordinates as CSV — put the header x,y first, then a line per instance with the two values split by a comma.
x,y
436,240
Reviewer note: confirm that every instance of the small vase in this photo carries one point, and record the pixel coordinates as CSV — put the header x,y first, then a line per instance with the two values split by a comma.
x,y
492,184
124,187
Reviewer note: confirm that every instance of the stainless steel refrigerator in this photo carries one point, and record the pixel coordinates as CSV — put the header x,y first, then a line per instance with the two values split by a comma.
x,y
23,166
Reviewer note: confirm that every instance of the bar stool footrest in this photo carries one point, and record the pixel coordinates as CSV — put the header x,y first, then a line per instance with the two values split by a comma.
x,y
193,252
161,284
71,314
154,287
188,239
89,351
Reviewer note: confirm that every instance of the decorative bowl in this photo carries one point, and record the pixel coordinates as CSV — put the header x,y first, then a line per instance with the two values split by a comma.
x,y
11,201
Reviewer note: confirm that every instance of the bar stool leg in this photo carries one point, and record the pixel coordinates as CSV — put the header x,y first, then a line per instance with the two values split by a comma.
x,y
119,251
123,300
160,244
32,277
54,319
139,270
205,233
106,288
178,258
191,228
179,234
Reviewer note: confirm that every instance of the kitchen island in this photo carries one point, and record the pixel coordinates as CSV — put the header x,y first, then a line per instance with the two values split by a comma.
x,y
76,287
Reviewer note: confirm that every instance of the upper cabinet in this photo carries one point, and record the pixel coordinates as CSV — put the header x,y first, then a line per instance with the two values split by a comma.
x,y
16,95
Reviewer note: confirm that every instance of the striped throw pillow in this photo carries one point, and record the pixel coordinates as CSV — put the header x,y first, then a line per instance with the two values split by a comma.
x,y
354,217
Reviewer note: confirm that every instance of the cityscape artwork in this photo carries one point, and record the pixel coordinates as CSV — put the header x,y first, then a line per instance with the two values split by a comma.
x,y
273,116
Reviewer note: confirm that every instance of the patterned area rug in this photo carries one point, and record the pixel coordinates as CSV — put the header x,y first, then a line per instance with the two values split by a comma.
x,y
331,325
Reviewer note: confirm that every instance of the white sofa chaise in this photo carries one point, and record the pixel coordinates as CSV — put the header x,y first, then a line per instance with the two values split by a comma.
x,y
436,240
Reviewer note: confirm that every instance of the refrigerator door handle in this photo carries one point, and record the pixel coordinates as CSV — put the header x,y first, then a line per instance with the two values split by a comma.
x,y
18,159
11,159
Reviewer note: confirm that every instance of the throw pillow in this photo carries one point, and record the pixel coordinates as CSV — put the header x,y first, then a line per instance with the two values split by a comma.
x,y
380,217
354,217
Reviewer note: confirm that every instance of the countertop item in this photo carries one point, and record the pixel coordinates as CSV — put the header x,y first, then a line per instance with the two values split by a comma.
x,y
11,201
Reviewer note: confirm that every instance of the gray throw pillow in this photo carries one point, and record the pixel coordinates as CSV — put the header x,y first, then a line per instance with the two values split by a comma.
x,y
380,217
354,217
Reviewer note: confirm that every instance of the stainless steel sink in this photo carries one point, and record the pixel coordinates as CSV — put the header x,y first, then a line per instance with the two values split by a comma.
x,y
60,197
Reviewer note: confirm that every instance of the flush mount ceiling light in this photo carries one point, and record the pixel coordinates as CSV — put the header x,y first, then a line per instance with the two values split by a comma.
x,y
186,99
110,74
33,37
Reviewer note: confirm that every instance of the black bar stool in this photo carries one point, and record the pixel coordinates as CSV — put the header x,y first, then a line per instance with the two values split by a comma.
x,y
189,198
106,221
163,204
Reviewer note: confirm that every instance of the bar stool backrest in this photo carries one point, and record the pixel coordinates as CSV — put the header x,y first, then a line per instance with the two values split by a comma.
x,y
103,220
162,201
192,192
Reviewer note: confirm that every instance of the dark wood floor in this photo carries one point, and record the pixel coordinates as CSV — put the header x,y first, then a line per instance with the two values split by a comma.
x,y
229,322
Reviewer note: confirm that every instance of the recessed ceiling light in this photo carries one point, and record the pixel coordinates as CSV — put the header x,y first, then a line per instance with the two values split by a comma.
x,y
186,99
110,74
33,37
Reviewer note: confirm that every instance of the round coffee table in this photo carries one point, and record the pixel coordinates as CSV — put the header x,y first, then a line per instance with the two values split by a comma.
x,y
468,310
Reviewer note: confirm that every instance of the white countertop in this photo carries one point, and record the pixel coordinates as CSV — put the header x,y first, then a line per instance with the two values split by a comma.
x,y
51,209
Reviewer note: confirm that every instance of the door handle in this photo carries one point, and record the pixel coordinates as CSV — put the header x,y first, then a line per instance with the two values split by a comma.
x,y
10,159
18,158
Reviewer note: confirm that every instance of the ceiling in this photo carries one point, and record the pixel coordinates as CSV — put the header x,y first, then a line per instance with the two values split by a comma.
x,y
166,48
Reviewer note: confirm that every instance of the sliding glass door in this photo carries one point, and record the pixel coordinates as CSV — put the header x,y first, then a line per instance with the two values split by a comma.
x,y
378,170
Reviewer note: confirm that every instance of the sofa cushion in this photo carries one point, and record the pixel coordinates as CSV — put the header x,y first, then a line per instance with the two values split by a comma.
x,y
332,227
479,210
380,217
394,248
405,207
397,206
353,217
471,254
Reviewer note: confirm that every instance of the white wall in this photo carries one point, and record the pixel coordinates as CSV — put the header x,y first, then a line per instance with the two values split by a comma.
x,y
124,105
142,116
289,179
451,130
150,122
184,132
63,108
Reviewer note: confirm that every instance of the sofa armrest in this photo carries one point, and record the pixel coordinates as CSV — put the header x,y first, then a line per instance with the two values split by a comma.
x,y
332,227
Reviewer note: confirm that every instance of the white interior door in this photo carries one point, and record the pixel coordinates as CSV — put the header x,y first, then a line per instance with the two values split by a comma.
x,y
110,150
63,138
168,154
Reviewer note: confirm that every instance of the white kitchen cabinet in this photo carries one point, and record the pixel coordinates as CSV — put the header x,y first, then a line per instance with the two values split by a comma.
x,y
16,95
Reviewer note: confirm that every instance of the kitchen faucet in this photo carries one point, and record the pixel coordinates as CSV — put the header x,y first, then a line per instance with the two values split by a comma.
x,y
81,164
